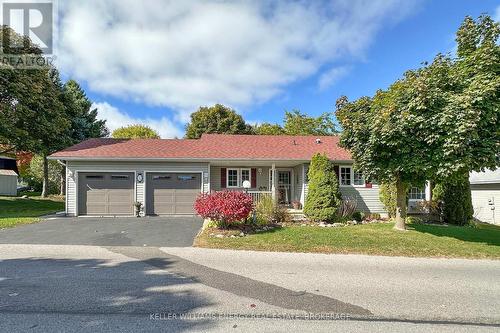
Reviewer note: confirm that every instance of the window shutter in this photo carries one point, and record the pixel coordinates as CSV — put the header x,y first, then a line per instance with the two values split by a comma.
x,y
254,178
223,177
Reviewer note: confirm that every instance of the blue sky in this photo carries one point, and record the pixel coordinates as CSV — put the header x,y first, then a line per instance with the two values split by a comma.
x,y
259,59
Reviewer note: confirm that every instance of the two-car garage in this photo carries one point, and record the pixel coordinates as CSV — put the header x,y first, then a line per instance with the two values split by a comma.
x,y
114,193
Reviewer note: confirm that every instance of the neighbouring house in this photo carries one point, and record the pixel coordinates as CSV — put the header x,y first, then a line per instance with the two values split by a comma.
x,y
8,176
107,176
485,191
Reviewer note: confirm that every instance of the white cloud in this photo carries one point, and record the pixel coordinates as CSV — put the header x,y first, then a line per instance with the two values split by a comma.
x,y
331,76
183,54
115,119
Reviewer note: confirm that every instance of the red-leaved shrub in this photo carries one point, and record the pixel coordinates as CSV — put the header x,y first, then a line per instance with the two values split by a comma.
x,y
225,207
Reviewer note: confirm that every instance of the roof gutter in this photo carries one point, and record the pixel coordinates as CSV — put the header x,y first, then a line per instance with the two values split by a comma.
x,y
187,159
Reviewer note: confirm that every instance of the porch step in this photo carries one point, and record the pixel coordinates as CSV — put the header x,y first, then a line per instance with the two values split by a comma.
x,y
296,214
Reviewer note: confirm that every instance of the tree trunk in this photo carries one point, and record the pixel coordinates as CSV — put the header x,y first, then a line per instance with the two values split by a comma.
x,y
45,185
62,190
400,205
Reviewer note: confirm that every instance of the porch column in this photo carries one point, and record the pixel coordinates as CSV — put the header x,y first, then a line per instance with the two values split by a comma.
x,y
273,183
428,191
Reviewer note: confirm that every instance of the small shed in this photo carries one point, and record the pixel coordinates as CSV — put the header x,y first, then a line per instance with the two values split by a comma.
x,y
8,182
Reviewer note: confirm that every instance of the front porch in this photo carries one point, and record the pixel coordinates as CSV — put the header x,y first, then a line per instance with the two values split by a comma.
x,y
283,181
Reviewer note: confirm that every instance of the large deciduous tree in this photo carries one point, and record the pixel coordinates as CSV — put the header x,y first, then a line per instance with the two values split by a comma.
x,y
135,132
297,123
268,129
37,113
438,122
216,119
32,114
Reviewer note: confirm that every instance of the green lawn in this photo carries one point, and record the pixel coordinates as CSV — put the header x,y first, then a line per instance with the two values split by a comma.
x,y
15,211
482,241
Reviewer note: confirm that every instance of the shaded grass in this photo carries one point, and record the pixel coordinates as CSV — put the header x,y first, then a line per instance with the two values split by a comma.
x,y
481,241
15,210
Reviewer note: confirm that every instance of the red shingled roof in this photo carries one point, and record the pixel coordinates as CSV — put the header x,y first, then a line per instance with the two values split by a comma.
x,y
211,146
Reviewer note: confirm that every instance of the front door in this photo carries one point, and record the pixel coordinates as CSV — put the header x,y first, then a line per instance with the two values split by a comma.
x,y
284,187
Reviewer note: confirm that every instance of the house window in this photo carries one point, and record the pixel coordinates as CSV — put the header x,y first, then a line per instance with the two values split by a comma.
x,y
345,175
232,177
306,173
416,193
270,178
358,178
245,175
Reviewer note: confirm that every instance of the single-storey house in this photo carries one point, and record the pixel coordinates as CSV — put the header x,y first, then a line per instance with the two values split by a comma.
x,y
485,192
107,176
8,176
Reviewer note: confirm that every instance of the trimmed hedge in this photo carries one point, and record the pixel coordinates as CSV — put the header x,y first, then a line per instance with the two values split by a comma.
x,y
323,197
456,200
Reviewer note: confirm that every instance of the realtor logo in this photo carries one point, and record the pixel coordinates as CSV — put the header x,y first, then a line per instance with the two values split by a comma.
x,y
31,19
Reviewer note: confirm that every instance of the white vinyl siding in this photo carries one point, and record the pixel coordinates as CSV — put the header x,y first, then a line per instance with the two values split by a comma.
x,y
298,183
368,198
486,202
73,167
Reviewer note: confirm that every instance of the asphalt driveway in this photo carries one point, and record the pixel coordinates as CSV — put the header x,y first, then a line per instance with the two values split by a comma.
x,y
109,231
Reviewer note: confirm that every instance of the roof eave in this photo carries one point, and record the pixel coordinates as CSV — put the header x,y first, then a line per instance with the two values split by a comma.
x,y
181,159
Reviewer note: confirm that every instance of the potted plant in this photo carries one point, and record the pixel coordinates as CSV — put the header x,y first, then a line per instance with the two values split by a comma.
x,y
296,204
138,207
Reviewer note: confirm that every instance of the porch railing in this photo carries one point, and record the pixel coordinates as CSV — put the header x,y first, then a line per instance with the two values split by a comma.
x,y
258,195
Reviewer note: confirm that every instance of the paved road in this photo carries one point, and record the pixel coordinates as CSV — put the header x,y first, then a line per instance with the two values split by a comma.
x,y
91,288
394,287
119,231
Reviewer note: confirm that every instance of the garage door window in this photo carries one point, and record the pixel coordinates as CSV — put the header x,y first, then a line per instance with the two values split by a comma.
x,y
161,177
94,177
119,177
185,178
